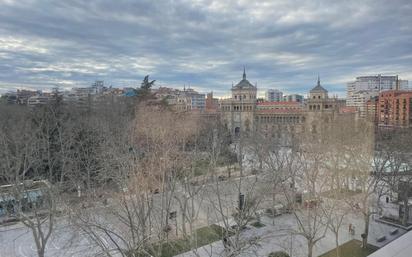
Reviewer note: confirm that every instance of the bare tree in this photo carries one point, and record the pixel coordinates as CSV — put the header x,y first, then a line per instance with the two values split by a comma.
x,y
392,166
27,155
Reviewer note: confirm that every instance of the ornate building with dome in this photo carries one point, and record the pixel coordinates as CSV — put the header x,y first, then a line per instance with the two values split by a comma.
x,y
242,112
318,100
238,111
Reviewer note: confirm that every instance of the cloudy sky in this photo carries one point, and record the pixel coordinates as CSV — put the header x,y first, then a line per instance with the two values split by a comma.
x,y
284,44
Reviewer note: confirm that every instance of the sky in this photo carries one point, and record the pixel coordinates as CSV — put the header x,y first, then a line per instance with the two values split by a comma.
x,y
284,44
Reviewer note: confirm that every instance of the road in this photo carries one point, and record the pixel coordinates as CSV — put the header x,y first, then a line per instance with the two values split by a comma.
x,y
16,240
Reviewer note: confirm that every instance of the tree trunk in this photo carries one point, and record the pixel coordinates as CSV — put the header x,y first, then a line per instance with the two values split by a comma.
x,y
337,244
273,206
405,217
310,249
183,223
366,232
40,253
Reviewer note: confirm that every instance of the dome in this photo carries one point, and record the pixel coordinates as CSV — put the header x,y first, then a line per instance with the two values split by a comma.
x,y
244,83
318,88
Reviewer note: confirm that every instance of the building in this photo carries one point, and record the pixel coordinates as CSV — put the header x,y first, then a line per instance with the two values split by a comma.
x,y
376,83
10,97
319,101
364,88
394,108
129,92
273,95
371,105
97,87
399,247
243,112
182,100
197,100
321,109
38,100
21,96
238,111
359,100
293,98
211,104
270,116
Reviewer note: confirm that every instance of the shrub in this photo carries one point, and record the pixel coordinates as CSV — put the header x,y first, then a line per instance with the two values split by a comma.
x,y
278,254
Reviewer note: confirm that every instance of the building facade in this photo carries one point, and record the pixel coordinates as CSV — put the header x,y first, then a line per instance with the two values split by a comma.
x,y
182,100
394,108
364,88
275,116
293,98
243,112
212,104
238,111
319,101
273,95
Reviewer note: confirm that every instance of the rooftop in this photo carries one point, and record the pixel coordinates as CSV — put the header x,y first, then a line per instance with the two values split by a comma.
x,y
400,247
278,103
318,88
279,111
244,83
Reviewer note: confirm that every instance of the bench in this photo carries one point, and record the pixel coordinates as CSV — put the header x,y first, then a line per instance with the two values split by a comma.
x,y
380,239
260,212
394,231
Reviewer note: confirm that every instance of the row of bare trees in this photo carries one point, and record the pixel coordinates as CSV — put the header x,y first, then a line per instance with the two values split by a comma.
x,y
339,171
133,182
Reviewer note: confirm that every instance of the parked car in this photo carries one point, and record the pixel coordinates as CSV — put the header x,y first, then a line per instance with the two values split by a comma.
x,y
277,210
221,178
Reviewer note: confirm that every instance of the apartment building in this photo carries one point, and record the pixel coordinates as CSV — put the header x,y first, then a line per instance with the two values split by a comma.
x,y
394,108
273,95
364,88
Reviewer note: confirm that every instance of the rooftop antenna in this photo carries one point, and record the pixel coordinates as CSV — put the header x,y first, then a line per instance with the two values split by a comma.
x,y
318,80
244,72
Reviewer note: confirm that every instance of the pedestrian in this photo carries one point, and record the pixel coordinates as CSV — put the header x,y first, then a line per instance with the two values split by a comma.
x,y
225,242
350,228
353,230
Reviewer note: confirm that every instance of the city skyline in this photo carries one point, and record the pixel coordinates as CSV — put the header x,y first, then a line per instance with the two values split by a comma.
x,y
283,44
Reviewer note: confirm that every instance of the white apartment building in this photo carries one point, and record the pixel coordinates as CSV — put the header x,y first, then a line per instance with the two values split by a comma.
x,y
273,95
185,100
293,98
38,100
364,88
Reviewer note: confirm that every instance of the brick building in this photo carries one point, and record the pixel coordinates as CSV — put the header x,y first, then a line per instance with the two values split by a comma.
x,y
270,114
394,108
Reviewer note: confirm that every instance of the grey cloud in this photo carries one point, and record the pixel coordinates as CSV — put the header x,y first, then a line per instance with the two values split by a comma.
x,y
284,44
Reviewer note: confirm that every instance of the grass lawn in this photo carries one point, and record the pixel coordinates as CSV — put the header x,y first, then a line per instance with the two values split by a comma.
x,y
200,167
204,236
351,249
339,195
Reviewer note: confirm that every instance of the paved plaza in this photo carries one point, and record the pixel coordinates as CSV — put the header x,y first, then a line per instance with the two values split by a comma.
x,y
280,237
